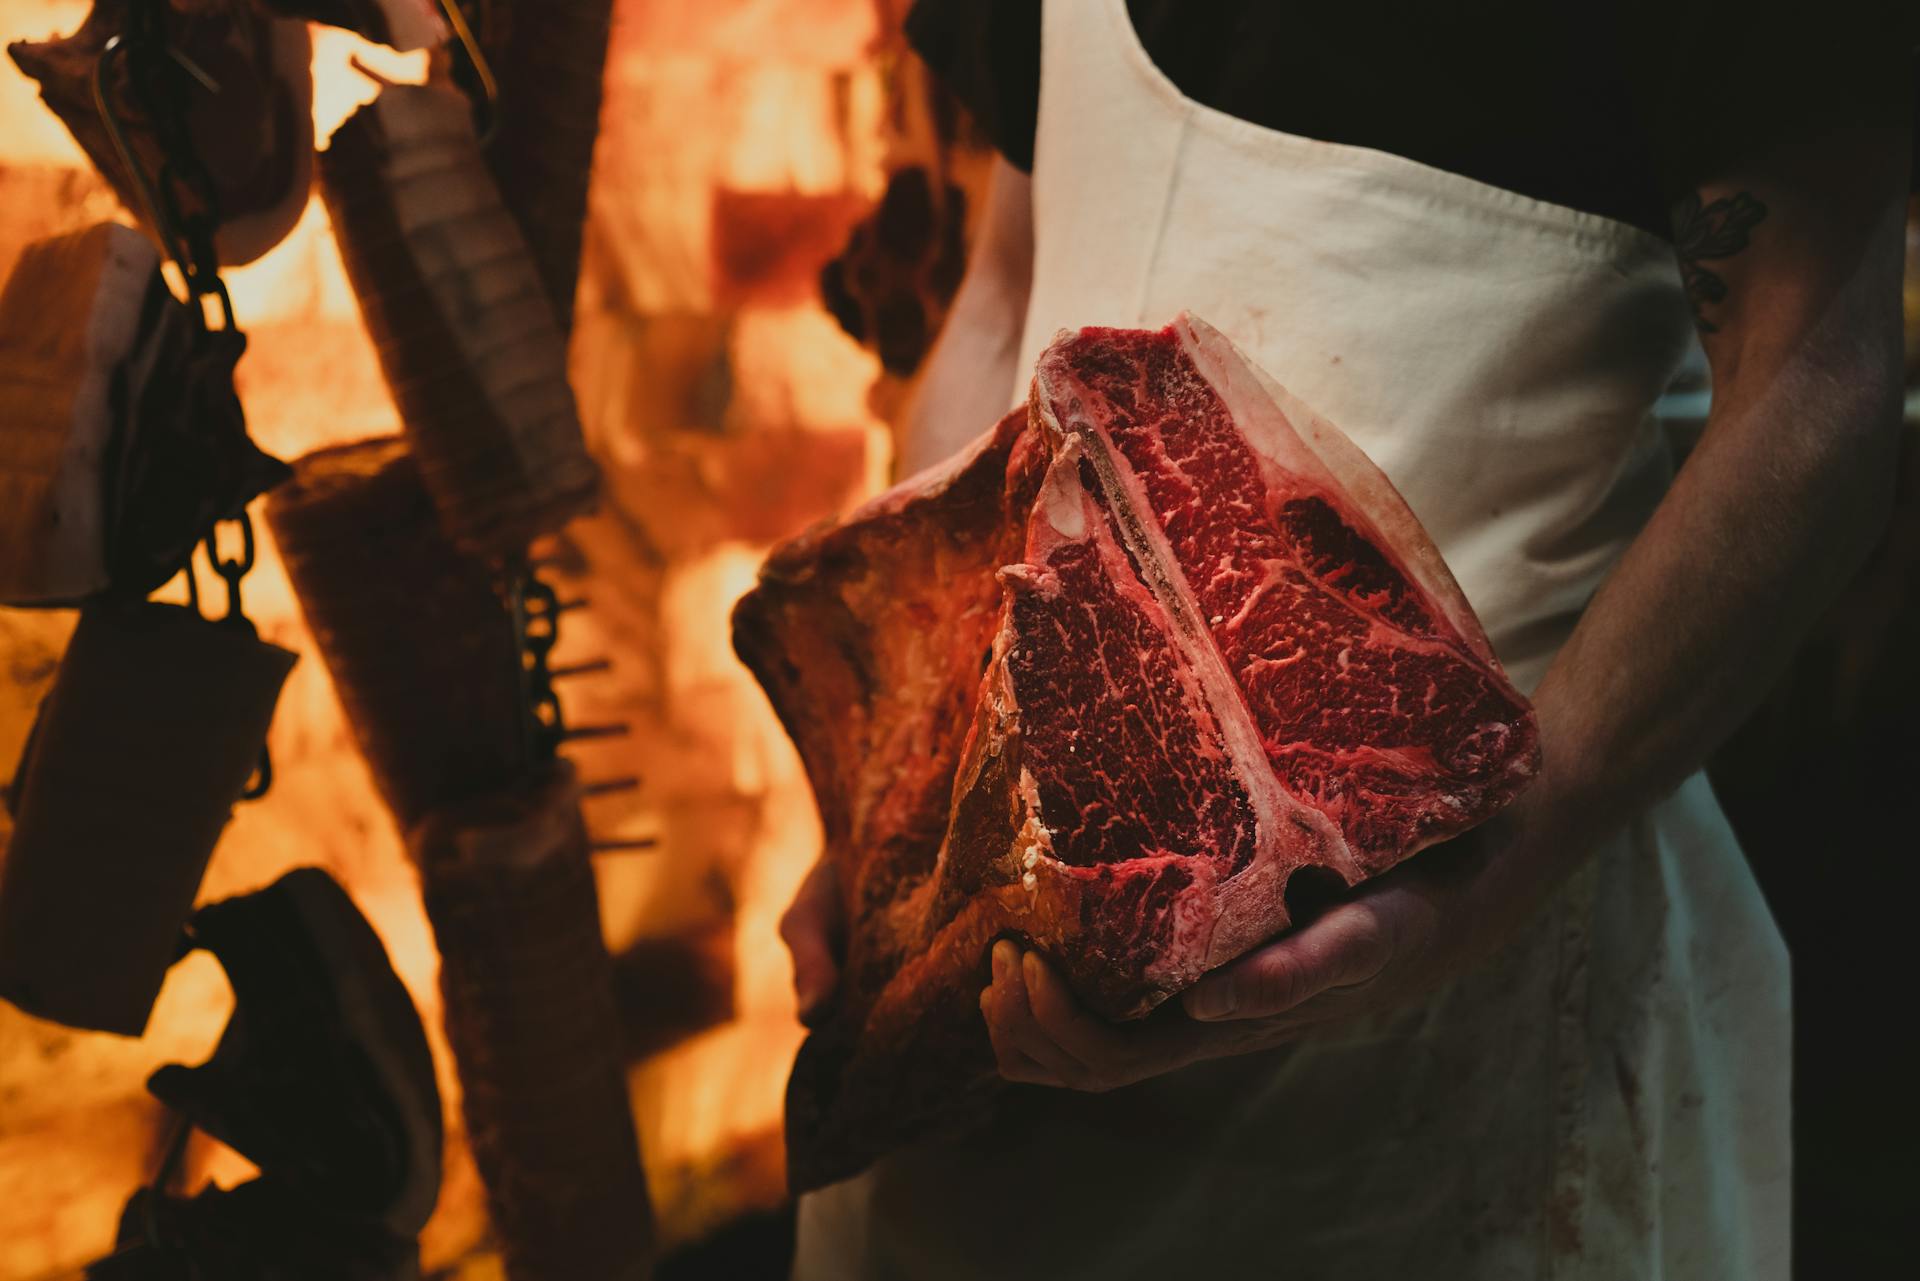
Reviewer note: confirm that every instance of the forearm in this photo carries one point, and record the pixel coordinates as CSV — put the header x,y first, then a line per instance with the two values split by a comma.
x,y
966,385
969,379
1771,516
1792,259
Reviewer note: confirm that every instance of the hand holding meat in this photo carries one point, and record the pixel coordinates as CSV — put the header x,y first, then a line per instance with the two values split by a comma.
x,y
1116,682
812,928
1396,939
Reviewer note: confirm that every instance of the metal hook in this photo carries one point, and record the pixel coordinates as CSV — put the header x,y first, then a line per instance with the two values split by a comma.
x,y
194,69
233,568
170,237
232,571
489,87
175,242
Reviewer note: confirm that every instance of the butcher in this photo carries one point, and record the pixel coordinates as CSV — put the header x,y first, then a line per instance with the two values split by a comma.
x,y
1482,239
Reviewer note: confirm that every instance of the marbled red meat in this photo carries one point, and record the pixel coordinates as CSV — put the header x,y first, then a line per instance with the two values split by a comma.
x,y
1224,652
1101,690
1373,705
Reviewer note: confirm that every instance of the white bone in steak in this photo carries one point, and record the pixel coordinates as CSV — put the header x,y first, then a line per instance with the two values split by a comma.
x,y
1227,653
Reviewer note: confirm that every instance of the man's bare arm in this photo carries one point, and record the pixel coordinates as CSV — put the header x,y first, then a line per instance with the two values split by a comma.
x,y
969,379
1794,272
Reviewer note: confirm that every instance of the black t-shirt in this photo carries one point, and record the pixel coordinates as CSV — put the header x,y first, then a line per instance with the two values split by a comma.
x,y
1616,107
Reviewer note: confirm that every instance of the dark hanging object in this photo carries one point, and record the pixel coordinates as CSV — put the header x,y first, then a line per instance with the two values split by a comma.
x,y
323,1079
405,25
890,287
124,438
415,634
547,61
79,335
464,330
528,992
257,1231
421,642
153,727
234,90
185,462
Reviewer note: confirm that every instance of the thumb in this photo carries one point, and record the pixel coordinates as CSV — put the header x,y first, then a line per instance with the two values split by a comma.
x,y
811,928
1347,945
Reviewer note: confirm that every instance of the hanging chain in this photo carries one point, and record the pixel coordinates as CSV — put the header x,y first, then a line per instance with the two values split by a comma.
x,y
536,629
533,604
231,571
182,206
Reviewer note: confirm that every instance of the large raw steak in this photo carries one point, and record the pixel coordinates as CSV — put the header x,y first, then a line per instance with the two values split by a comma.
x,y
1105,684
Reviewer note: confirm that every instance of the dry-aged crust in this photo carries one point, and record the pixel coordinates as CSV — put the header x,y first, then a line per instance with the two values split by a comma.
x,y
1217,649
869,637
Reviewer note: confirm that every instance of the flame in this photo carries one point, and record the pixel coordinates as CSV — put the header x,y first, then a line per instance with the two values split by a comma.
x,y
772,96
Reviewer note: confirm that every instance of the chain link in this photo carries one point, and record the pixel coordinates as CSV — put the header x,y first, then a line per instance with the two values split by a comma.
x,y
182,205
536,630
186,202
534,605
232,571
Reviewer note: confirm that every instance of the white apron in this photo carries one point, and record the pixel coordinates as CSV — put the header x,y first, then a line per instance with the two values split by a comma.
x,y
1608,1098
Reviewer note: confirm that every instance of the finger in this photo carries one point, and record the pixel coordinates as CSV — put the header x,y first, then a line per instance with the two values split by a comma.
x,y
1067,1023
1011,1024
810,928
1335,1005
1114,1054
1347,945
1014,1065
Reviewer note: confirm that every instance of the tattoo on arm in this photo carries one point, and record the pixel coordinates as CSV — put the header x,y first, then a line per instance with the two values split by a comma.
x,y
1718,230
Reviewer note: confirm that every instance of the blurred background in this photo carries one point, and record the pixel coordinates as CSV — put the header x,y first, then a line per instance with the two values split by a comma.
x,y
778,214
744,142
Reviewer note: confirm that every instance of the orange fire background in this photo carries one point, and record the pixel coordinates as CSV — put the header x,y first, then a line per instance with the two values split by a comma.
x,y
741,140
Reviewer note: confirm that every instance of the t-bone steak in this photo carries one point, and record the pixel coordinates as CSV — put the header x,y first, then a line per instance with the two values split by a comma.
x,y
1105,683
